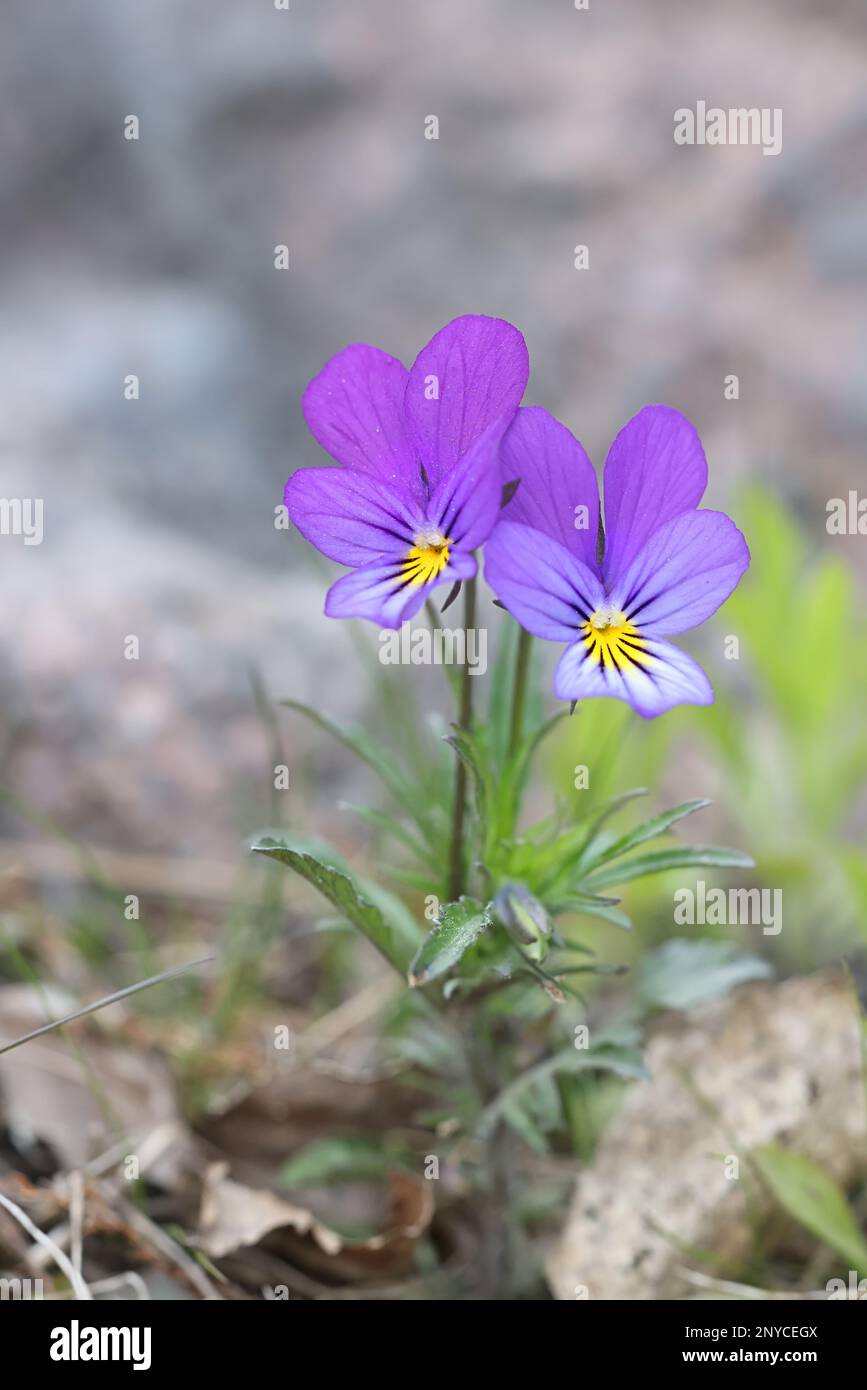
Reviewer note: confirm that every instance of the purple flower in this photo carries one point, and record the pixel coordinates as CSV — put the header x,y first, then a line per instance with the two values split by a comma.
x,y
420,486
666,567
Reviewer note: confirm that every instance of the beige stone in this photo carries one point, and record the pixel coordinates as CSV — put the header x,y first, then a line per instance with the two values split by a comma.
x,y
771,1063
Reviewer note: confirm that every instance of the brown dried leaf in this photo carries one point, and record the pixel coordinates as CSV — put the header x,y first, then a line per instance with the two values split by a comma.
x,y
234,1217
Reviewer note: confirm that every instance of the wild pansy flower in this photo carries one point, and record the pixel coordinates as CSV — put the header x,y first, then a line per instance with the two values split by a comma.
x,y
420,486
666,565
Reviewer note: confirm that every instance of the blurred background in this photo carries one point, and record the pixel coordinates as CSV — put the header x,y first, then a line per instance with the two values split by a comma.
x,y
305,128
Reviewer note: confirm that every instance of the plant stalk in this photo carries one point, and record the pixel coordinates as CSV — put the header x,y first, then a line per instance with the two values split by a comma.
x,y
519,689
497,1268
465,715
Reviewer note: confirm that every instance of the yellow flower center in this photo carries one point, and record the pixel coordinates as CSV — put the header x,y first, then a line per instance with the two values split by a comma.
x,y
428,557
612,640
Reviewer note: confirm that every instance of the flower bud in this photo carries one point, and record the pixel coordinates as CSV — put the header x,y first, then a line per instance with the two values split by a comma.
x,y
525,919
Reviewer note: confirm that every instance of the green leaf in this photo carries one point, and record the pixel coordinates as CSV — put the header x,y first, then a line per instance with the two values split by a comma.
x,y
555,860
472,753
389,826
854,864
594,968
341,889
682,973
458,927
815,1201
585,904
506,804
408,878
648,830
524,1124
394,910
625,1062
659,861
341,1160
374,754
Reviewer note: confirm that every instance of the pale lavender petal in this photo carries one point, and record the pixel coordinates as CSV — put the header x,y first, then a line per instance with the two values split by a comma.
x,y
655,470
685,571
349,516
558,492
471,372
544,587
381,593
666,677
354,408
465,506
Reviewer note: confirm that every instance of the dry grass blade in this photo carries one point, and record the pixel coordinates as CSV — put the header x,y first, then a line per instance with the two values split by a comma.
x,y
103,1003
60,1259
169,1247
728,1289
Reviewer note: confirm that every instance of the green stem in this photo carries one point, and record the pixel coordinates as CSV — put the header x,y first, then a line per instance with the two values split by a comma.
x,y
452,676
465,715
519,689
496,1173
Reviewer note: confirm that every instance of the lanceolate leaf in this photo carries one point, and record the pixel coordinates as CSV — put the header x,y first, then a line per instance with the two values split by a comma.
x,y
524,1124
648,830
556,859
375,754
589,906
515,773
392,827
328,1161
622,1061
683,857
459,926
815,1202
344,893
594,969
474,757
682,973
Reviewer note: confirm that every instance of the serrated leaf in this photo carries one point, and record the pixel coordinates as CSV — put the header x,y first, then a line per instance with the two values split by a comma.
x,y
659,861
815,1201
458,927
341,889
682,973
